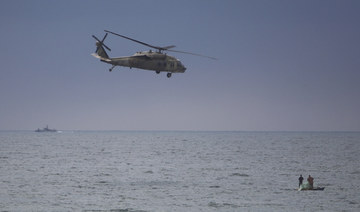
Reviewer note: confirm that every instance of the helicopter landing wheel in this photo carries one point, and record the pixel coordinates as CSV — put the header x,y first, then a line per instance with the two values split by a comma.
x,y
111,68
168,75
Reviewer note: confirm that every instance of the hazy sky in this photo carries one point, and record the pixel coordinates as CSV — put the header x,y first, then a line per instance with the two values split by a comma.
x,y
283,65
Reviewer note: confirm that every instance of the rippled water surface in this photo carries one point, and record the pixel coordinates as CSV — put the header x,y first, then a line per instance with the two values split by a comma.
x,y
178,171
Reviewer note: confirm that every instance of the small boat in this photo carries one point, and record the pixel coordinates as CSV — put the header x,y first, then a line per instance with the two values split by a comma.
x,y
312,189
46,129
306,187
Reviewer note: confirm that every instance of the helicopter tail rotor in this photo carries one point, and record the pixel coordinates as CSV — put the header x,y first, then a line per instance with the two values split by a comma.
x,y
100,51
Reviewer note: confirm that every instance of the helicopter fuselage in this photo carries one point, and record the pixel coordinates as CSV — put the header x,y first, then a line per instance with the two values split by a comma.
x,y
149,60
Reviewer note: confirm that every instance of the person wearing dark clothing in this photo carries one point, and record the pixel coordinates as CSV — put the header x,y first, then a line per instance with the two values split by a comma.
x,y
300,180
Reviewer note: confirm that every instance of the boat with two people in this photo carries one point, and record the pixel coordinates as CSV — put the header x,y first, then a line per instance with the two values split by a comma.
x,y
309,185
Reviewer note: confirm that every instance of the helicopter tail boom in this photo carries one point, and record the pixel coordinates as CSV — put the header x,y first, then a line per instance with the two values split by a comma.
x,y
101,58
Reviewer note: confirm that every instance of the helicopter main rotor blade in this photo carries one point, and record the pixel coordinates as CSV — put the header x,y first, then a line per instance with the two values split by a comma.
x,y
200,55
166,48
102,42
145,44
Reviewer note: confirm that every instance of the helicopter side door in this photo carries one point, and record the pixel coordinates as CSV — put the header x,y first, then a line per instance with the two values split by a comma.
x,y
171,66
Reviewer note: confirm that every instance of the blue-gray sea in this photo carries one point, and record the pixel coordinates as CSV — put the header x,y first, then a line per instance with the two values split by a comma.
x,y
178,171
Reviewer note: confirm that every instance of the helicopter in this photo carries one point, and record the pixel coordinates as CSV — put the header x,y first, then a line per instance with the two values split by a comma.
x,y
157,61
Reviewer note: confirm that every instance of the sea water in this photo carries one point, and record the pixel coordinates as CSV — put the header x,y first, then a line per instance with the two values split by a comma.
x,y
178,171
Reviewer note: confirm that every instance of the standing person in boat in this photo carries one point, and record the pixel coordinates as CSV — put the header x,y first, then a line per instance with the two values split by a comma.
x,y
300,180
311,181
